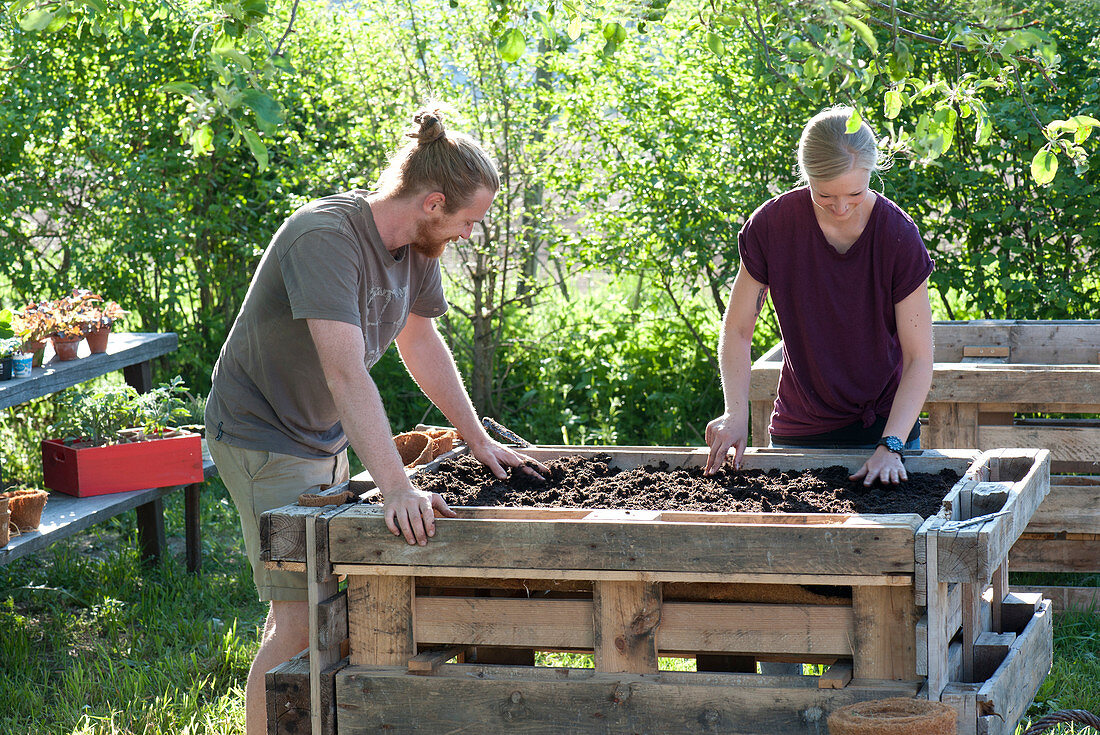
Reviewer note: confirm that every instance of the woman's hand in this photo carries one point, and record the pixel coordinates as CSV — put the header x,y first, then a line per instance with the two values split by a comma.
x,y
724,433
884,466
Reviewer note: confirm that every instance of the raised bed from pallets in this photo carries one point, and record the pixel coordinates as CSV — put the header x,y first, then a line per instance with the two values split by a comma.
x,y
989,375
632,585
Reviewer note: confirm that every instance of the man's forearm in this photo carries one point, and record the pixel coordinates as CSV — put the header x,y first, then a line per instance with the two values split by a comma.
x,y
432,366
368,429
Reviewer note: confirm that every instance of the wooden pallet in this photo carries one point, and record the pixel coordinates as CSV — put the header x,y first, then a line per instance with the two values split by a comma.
x,y
495,584
987,377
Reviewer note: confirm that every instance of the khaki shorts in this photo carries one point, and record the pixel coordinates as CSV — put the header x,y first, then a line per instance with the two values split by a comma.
x,y
259,481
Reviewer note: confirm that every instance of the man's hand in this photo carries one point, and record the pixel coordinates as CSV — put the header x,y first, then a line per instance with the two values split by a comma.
x,y
724,433
496,457
411,513
884,466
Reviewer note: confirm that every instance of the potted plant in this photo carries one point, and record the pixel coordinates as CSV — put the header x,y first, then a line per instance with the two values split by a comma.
x,y
96,317
34,326
9,343
113,439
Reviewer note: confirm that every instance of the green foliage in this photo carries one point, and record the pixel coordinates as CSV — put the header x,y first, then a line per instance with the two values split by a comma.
x,y
1017,249
101,415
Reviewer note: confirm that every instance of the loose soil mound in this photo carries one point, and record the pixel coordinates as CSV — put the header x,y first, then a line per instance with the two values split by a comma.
x,y
591,482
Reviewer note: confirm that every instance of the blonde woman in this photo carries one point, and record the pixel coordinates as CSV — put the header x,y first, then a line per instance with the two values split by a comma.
x,y
847,272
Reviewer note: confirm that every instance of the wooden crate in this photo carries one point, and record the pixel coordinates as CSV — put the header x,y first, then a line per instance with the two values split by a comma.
x,y
894,605
988,376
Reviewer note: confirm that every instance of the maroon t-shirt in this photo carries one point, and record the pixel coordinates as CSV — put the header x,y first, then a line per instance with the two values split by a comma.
x,y
841,355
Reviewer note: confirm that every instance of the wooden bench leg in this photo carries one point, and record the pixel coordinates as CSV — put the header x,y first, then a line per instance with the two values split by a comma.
x,y
192,509
150,523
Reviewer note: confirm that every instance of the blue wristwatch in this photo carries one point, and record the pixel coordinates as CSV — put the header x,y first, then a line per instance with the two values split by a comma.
x,y
892,443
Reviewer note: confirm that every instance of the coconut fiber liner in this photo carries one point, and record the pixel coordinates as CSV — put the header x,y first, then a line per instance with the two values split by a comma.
x,y
894,716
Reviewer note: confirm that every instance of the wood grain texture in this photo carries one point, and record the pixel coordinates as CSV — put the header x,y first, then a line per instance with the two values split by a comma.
x,y
380,620
1010,692
625,617
123,350
1076,553
359,536
1078,599
825,630
884,631
551,702
553,576
1072,506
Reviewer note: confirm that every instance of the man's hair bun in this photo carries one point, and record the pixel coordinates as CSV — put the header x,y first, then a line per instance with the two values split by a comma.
x,y
429,126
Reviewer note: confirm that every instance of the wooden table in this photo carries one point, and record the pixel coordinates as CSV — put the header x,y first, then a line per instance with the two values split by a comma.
x,y
64,515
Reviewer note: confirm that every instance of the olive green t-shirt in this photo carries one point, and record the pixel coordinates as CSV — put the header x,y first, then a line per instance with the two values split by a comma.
x,y
327,261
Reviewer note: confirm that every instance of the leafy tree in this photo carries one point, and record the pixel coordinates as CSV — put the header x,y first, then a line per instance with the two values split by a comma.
x,y
865,50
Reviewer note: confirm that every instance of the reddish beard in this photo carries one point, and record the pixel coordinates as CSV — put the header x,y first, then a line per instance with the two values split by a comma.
x,y
429,241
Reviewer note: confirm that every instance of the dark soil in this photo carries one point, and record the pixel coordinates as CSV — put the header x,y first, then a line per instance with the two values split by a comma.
x,y
591,482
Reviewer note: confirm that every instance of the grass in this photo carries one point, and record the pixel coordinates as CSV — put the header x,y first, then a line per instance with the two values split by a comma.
x,y
91,645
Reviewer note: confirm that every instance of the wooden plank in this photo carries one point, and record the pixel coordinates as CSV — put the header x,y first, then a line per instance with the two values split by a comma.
x,y
192,526
949,621
761,413
359,536
1003,699
1000,589
1079,599
65,515
950,337
964,700
827,630
990,650
428,662
282,530
990,383
1075,447
952,425
320,587
970,597
885,647
588,575
123,349
1072,506
1055,342
985,351
1018,609
553,701
936,602
287,691
380,620
1079,553
288,696
625,616
332,620
836,676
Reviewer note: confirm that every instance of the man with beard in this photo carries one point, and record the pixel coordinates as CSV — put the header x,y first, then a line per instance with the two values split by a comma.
x,y
345,276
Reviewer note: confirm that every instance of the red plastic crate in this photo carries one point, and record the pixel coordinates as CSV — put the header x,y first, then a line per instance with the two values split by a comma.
x,y
85,471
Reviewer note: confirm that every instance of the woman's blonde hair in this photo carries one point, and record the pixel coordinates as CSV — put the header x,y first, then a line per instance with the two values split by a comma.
x,y
439,160
826,150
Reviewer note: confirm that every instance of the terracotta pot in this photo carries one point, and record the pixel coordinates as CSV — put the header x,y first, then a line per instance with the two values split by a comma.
x,y
36,348
26,507
65,347
97,339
